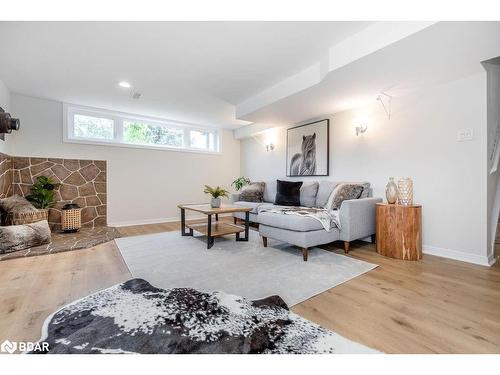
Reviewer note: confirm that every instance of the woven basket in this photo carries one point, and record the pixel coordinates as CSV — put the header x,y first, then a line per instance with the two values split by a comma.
x,y
27,218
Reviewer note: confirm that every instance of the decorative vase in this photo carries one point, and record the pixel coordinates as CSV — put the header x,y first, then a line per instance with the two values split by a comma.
x,y
405,188
215,202
391,191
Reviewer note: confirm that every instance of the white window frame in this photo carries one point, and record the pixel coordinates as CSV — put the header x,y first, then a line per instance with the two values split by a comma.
x,y
70,110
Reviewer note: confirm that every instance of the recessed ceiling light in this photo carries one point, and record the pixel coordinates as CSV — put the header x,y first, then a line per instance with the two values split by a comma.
x,y
124,84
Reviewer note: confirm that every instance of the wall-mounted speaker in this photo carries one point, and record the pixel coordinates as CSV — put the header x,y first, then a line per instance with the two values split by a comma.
x,y
7,124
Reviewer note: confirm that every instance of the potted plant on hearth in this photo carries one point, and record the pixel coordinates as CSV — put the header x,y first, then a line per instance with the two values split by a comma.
x,y
42,194
42,198
216,194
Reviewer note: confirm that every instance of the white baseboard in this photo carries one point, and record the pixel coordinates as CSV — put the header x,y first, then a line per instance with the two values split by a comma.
x,y
459,255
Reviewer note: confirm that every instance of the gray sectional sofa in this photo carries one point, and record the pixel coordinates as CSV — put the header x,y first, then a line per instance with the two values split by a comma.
x,y
357,217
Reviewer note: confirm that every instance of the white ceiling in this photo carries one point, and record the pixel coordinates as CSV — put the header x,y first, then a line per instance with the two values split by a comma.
x,y
187,71
440,53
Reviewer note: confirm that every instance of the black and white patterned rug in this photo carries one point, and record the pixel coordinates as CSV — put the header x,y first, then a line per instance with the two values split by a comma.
x,y
135,317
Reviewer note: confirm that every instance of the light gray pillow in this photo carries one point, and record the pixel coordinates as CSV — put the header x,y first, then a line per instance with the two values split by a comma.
x,y
21,237
270,191
343,192
308,193
324,191
253,192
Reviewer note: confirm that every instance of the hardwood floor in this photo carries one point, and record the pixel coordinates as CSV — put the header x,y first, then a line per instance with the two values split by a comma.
x,y
434,305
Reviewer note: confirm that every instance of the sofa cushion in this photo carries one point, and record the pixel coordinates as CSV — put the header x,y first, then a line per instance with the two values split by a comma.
x,y
325,189
308,193
366,190
343,192
270,191
288,193
302,239
253,192
253,205
291,222
21,237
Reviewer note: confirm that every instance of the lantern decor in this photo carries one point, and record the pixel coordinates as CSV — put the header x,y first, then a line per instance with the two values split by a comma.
x,y
405,191
71,219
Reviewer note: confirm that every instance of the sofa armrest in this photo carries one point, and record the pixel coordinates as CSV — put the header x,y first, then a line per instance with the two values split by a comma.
x,y
234,197
357,218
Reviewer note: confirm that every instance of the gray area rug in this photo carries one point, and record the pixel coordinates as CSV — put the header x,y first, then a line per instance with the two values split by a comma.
x,y
168,260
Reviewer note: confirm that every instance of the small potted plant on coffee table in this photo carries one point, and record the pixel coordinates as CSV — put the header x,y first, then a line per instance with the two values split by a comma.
x,y
216,194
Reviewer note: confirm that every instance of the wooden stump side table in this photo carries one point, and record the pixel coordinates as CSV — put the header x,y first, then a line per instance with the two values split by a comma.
x,y
399,231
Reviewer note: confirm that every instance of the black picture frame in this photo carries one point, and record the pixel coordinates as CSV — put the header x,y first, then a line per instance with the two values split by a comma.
x,y
327,156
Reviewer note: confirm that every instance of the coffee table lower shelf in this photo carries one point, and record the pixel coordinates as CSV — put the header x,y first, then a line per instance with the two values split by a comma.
x,y
218,229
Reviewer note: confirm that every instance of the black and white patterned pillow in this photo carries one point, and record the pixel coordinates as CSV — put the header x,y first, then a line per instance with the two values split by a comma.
x,y
343,192
253,192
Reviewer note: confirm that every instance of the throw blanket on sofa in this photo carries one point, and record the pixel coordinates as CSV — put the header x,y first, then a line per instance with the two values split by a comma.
x,y
328,218
136,317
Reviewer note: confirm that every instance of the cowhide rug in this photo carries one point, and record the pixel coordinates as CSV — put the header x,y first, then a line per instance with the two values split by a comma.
x,y
135,317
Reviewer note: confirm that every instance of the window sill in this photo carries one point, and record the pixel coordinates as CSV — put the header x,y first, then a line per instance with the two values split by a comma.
x,y
144,147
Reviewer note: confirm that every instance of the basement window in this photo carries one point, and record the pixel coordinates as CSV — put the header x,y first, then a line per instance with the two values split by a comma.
x,y
97,126
141,133
92,127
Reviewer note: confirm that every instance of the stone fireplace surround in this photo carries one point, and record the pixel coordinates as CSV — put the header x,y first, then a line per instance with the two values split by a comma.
x,y
82,182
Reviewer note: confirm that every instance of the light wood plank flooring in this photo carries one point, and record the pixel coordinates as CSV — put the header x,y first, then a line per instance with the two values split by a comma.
x,y
431,306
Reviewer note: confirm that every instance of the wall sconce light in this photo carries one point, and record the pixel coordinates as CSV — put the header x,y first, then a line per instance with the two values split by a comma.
x,y
360,128
269,138
269,147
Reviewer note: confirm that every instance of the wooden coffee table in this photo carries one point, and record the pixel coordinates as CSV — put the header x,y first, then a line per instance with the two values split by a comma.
x,y
217,229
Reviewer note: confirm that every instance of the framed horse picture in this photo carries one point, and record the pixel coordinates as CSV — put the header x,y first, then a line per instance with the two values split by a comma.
x,y
307,149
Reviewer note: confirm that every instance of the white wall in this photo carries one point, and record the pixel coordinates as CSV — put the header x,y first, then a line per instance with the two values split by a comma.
x,y
143,185
5,146
419,141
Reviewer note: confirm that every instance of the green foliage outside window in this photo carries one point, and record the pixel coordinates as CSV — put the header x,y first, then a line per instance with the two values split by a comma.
x,y
93,127
139,133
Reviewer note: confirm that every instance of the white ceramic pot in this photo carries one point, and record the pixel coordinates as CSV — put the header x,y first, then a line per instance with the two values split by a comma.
x,y
215,202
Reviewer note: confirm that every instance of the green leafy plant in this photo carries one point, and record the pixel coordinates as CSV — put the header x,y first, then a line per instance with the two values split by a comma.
x,y
42,192
240,182
216,192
